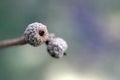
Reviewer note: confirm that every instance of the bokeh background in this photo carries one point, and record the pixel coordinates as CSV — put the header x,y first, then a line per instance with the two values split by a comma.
x,y
91,28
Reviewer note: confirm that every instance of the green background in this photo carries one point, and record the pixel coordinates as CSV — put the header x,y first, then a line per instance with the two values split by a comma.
x,y
90,27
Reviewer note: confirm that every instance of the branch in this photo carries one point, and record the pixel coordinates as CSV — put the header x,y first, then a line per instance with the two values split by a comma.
x,y
12,42
18,41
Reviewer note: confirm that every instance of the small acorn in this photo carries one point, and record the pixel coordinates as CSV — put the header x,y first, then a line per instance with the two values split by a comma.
x,y
36,34
56,47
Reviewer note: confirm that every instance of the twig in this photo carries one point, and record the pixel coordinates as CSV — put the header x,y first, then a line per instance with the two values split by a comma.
x,y
13,42
18,41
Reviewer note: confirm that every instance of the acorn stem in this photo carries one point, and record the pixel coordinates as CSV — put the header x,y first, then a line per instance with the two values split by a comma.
x,y
12,42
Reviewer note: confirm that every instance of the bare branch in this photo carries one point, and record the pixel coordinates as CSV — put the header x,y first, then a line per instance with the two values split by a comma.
x,y
12,42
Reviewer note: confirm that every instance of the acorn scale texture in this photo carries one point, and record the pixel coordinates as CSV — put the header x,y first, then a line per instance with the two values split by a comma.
x,y
36,34
56,47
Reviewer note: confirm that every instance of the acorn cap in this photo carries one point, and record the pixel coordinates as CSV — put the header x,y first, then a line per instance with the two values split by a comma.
x,y
36,34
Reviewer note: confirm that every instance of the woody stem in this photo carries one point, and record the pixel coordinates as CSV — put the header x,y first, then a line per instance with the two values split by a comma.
x,y
12,42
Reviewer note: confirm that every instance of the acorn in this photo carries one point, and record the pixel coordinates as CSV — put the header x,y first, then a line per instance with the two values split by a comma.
x,y
56,47
36,34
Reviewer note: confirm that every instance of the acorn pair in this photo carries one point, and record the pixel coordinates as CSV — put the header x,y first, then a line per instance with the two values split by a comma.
x,y
37,34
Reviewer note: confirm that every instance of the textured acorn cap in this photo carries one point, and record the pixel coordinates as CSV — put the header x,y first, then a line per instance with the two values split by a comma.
x,y
56,47
36,34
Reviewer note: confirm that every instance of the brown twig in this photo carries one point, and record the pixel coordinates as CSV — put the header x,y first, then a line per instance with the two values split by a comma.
x,y
17,41
12,42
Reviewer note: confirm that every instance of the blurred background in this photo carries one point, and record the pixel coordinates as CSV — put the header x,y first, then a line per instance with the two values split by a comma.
x,y
91,28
